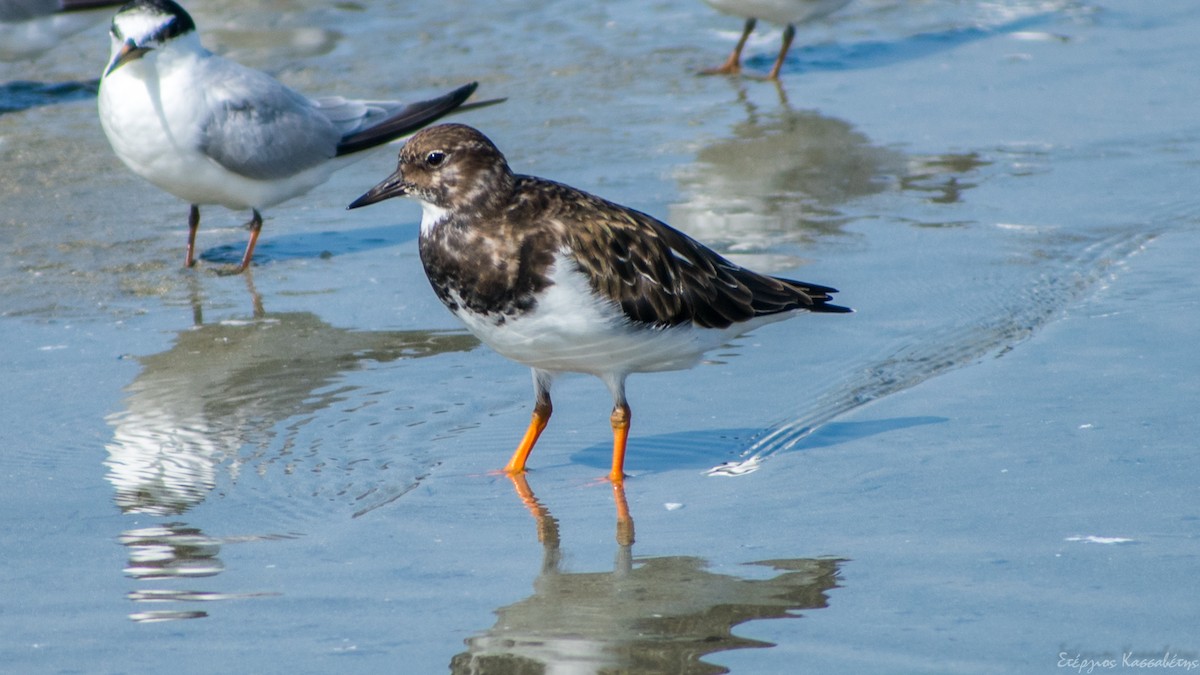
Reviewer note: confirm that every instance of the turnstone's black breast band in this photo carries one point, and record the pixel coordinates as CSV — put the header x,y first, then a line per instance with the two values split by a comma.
x,y
493,276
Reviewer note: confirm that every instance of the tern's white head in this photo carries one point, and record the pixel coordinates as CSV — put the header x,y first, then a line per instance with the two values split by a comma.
x,y
145,25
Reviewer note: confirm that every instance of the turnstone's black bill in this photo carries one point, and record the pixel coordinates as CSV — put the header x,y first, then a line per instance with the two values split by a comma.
x,y
786,12
211,131
564,281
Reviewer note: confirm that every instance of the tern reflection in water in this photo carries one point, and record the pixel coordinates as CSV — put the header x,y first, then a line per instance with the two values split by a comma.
x,y
216,396
653,615
175,551
785,176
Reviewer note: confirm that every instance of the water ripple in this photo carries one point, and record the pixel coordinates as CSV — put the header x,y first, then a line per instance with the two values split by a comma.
x,y
1074,274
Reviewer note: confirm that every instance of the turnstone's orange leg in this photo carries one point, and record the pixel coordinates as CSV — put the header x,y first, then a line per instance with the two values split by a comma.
x,y
193,225
255,226
624,520
620,427
789,34
537,424
733,65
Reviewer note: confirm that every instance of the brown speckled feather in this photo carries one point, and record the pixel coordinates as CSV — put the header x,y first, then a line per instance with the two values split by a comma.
x,y
564,281
657,274
493,249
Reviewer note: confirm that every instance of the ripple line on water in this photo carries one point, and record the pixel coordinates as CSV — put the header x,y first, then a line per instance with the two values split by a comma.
x,y
1074,275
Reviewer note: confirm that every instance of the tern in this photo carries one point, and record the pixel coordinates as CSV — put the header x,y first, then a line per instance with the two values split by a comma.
x,y
212,131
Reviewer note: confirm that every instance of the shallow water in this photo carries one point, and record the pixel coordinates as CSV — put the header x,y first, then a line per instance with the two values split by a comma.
x,y
988,468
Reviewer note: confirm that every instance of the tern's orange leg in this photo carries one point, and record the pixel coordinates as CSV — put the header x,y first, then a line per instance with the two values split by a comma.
x,y
733,65
537,424
255,226
789,34
193,225
620,426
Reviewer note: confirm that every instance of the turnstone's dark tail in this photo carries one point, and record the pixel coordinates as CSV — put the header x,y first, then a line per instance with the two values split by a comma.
x,y
794,295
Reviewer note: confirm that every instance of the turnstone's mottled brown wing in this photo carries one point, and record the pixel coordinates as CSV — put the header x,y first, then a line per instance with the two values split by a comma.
x,y
663,277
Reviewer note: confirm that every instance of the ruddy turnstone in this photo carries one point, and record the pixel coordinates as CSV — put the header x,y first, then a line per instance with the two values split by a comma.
x,y
786,12
212,131
31,27
564,281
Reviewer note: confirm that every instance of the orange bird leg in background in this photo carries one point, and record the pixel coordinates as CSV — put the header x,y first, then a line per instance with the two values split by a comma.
x,y
255,226
789,34
733,64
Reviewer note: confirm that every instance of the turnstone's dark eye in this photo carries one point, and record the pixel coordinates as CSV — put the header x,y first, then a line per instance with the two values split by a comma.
x,y
435,158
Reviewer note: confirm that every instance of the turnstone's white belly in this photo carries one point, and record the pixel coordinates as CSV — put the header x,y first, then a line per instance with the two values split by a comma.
x,y
572,329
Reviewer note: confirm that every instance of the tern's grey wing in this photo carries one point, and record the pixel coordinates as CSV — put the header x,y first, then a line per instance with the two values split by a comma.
x,y
259,128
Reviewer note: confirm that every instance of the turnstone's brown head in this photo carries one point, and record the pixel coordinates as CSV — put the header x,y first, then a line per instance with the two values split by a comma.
x,y
450,167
